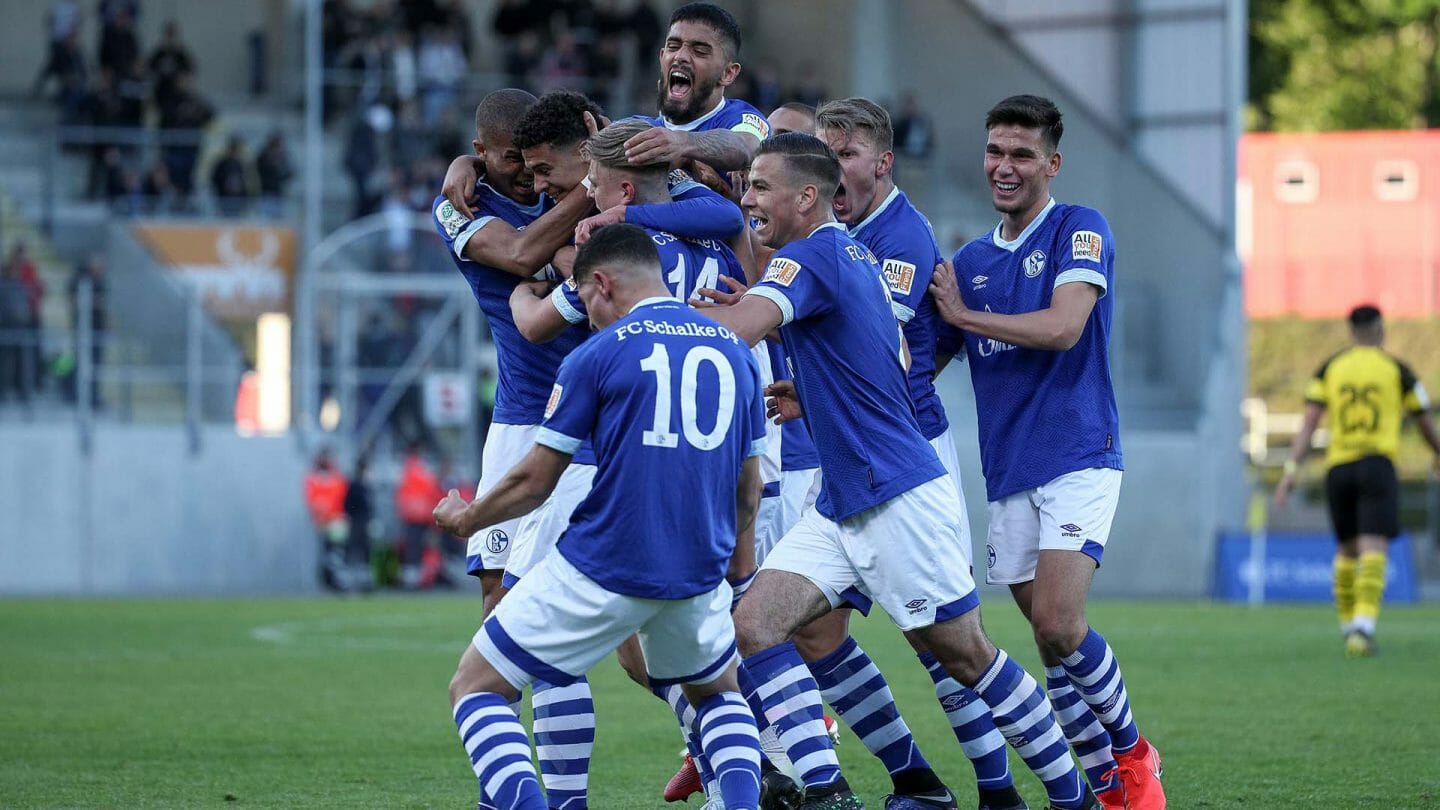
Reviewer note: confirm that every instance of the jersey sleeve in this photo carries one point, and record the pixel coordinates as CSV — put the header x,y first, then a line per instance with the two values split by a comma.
x,y
1087,250
697,212
750,121
574,402
1415,398
908,258
949,340
566,300
454,227
1315,389
798,285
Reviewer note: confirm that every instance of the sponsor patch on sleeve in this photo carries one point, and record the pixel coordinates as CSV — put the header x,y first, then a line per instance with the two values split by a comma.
x,y
781,271
554,400
755,122
450,219
899,275
1086,246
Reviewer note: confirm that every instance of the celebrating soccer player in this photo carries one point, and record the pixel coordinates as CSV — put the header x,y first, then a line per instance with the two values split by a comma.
x,y
1032,301
887,518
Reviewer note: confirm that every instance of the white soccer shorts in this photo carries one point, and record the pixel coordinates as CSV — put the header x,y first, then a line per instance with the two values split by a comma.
x,y
1072,512
944,445
541,529
558,623
778,514
489,548
905,554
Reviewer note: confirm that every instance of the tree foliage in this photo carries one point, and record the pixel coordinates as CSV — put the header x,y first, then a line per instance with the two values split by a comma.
x,y
1344,64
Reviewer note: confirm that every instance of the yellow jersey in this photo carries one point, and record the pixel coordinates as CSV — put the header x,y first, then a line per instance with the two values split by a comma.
x,y
1366,394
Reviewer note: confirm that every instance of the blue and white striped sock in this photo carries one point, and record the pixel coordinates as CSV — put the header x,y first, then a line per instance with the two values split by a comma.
x,y
685,716
852,685
730,741
973,726
1027,721
499,751
1082,728
1096,675
779,682
564,740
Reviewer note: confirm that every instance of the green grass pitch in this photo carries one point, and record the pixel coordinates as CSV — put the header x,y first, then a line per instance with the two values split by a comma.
x,y
341,703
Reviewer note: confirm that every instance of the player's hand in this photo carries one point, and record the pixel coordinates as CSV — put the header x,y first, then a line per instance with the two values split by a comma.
x,y
449,514
782,403
731,188
711,297
589,225
530,289
946,292
460,180
564,261
1282,490
656,145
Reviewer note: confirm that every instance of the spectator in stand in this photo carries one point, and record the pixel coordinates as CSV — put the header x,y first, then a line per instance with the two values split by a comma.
x,y
107,111
119,47
230,180
274,170
404,69
415,499
914,134
518,25
362,528
563,65
156,188
325,496
14,313
362,155
183,119
399,214
410,139
167,62
809,90
441,65
132,87
29,276
62,24
91,274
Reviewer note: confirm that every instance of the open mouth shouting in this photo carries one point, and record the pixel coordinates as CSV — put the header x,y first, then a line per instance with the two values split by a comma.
x,y
680,81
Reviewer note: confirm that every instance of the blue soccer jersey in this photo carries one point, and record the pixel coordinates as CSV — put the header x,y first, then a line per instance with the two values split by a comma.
x,y
731,113
672,402
686,264
904,243
1042,413
844,345
525,371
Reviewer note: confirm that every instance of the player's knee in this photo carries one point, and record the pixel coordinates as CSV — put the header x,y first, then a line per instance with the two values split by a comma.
x,y
632,660
1058,633
822,636
754,629
960,646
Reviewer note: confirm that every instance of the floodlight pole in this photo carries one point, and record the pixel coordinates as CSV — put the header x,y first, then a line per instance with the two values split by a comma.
x,y
304,352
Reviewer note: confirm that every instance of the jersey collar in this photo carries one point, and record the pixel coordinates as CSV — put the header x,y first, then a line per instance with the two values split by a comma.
x,y
889,198
652,301
697,122
831,224
1014,244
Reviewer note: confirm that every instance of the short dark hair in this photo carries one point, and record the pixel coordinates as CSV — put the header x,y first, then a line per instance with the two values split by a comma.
x,y
798,107
618,244
808,156
1365,316
498,113
1033,112
714,16
557,119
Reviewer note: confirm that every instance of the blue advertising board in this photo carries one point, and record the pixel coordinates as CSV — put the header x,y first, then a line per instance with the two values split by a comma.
x,y
1298,568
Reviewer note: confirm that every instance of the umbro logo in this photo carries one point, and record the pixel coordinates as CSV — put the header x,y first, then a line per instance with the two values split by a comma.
x,y
979,281
915,605
1070,530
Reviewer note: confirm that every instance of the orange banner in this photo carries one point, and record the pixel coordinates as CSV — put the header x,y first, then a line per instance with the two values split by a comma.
x,y
241,271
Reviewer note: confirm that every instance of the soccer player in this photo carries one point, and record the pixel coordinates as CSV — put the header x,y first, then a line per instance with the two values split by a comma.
x,y
697,122
886,520
1366,393
880,217
671,401
1032,298
515,232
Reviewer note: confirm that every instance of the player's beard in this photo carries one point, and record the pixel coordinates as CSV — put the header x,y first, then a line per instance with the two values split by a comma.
x,y
693,106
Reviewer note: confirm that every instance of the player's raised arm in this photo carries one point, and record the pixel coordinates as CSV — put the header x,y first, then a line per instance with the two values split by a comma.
x,y
523,252
525,487
537,316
